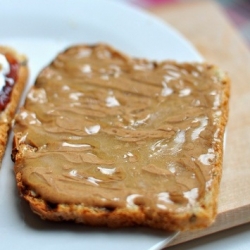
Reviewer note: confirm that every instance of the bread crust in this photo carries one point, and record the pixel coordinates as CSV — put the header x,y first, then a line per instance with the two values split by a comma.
x,y
8,113
198,217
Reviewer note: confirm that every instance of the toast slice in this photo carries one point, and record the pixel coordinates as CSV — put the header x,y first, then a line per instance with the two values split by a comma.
x,y
109,140
13,77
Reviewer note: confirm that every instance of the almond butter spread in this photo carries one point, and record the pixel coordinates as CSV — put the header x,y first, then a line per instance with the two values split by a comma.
x,y
104,130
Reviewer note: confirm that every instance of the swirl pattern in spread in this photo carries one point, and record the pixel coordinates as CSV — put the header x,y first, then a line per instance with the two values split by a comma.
x,y
105,130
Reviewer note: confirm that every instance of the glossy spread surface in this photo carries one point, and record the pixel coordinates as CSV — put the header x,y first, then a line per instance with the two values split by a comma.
x,y
102,129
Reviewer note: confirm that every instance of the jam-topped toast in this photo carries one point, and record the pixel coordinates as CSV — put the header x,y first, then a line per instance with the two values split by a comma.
x,y
13,77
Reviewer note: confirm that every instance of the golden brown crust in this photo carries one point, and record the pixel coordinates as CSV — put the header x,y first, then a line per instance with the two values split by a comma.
x,y
199,217
7,115
169,221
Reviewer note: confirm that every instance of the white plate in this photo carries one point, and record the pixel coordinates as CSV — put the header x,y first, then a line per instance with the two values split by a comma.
x,y
41,29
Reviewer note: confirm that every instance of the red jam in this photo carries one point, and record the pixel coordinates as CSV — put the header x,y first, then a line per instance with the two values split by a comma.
x,y
10,81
